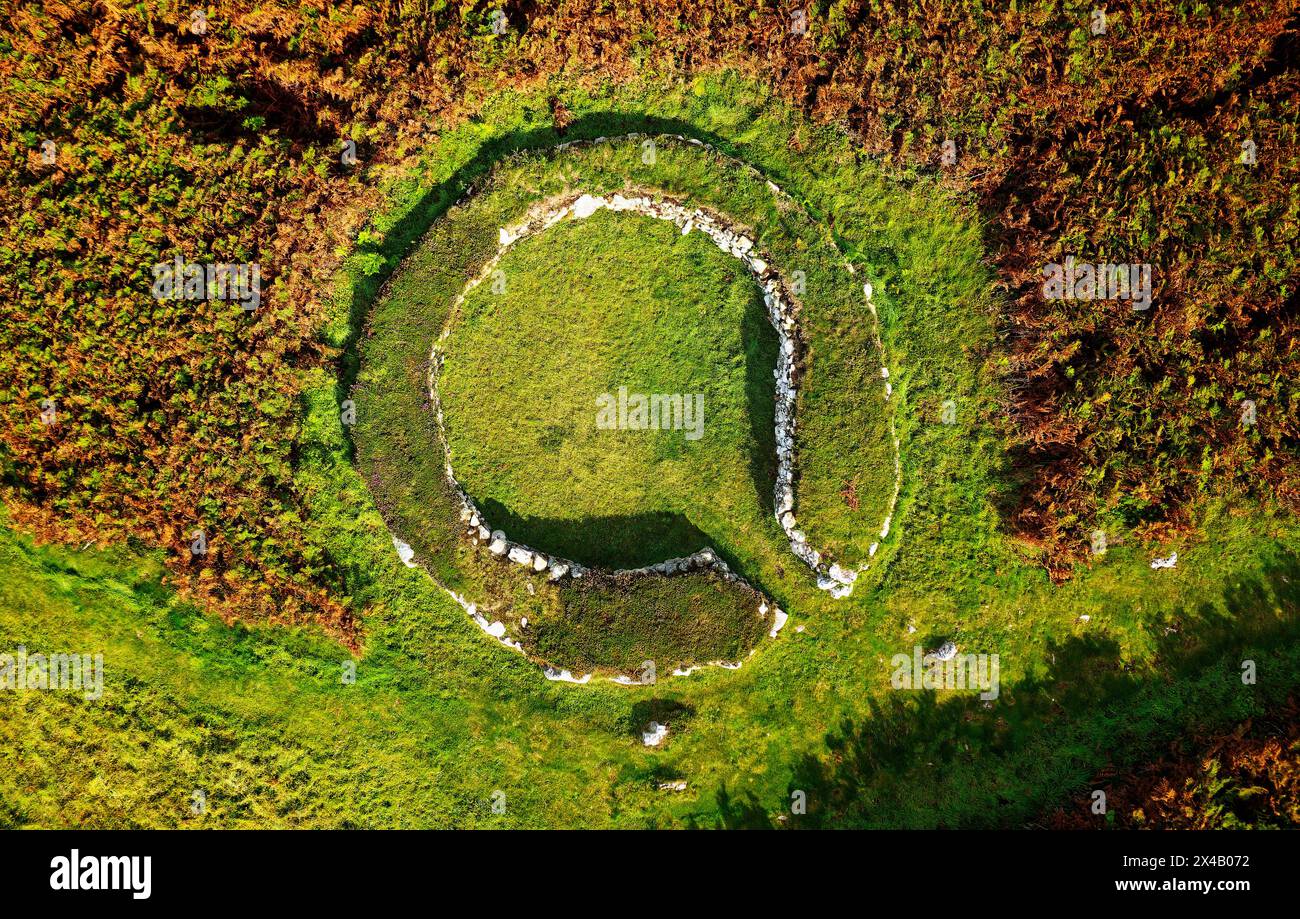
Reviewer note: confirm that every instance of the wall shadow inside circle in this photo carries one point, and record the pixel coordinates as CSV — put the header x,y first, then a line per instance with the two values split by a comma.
x,y
617,541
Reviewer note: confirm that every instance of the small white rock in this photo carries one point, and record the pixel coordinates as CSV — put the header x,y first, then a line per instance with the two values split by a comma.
x,y
404,552
585,206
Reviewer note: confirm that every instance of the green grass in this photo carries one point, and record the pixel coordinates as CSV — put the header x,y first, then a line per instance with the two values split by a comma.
x,y
440,716
671,622
589,307
262,723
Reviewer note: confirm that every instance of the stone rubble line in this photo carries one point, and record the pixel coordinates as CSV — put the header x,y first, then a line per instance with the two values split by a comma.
x,y
781,313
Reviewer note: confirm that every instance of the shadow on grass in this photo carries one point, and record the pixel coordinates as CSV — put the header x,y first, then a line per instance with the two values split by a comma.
x,y
670,712
761,348
917,760
619,541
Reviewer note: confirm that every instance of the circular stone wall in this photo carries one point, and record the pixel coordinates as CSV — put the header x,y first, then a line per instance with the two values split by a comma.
x,y
829,375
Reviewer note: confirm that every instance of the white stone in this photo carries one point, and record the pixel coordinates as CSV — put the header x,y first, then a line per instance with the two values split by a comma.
x,y
945,652
404,552
585,206
844,577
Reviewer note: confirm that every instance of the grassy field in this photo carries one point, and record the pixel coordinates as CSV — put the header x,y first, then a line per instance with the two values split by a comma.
x,y
439,718
1102,670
